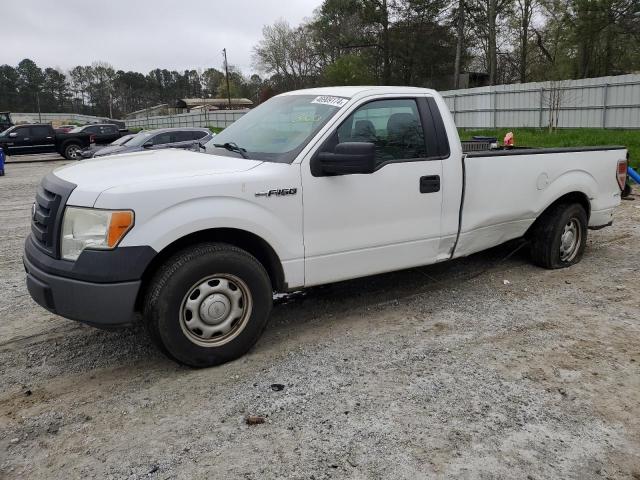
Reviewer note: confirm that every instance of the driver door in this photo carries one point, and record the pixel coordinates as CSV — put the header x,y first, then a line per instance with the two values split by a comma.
x,y
363,224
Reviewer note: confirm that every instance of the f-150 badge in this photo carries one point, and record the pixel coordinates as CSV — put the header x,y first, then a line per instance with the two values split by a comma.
x,y
279,192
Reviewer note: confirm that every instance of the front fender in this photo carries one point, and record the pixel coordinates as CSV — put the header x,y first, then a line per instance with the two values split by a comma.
x,y
194,215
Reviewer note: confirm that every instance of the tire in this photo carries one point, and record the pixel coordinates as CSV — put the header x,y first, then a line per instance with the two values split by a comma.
x,y
208,304
560,236
72,151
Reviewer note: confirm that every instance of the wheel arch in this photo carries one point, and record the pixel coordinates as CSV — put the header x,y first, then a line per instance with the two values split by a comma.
x,y
572,197
252,243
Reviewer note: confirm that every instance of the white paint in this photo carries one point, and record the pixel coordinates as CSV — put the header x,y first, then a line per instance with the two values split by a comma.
x,y
343,227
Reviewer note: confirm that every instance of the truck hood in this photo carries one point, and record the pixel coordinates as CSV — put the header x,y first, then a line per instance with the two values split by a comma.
x,y
94,176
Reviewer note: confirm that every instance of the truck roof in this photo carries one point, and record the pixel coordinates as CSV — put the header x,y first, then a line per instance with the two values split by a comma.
x,y
354,91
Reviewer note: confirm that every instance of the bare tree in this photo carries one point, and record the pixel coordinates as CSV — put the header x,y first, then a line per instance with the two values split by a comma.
x,y
459,43
288,53
484,16
554,103
525,10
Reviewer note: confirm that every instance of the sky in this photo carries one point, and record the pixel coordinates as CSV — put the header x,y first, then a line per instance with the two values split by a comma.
x,y
141,35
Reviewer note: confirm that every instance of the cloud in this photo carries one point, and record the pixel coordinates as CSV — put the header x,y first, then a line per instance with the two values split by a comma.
x,y
141,35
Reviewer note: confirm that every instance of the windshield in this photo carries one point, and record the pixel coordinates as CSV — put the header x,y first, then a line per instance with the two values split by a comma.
x,y
278,130
122,140
7,131
140,139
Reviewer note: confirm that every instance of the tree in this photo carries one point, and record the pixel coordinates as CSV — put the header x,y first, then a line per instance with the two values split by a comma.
x,y
211,79
55,91
9,84
524,13
348,70
30,80
288,53
485,16
460,19
338,29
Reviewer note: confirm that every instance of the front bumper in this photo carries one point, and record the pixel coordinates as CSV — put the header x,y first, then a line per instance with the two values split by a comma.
x,y
98,304
100,288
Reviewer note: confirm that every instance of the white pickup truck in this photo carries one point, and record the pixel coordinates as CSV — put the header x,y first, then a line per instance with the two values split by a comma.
x,y
311,187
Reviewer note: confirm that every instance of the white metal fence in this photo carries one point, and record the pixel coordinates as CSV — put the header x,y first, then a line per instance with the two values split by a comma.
x,y
21,117
218,118
605,102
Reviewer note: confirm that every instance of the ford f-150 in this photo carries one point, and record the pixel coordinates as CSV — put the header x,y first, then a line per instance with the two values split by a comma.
x,y
311,187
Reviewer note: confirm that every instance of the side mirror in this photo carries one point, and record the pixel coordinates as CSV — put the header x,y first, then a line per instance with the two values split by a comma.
x,y
147,144
13,135
347,159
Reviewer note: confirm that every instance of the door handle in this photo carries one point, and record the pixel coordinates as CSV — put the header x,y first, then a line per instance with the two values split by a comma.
x,y
430,184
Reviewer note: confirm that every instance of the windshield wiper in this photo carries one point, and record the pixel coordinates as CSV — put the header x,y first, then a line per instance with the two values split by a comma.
x,y
232,147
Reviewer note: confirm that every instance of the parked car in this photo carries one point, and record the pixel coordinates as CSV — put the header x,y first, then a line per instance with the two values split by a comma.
x,y
103,134
184,138
106,149
5,121
41,138
311,187
64,128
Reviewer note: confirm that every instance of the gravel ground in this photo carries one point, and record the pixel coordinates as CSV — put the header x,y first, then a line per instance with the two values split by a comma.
x,y
445,371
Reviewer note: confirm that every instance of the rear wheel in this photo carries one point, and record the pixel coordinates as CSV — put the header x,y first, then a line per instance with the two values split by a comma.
x,y
208,304
560,236
72,151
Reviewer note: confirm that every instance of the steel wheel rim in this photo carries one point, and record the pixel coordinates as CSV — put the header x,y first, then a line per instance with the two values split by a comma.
x,y
570,240
215,310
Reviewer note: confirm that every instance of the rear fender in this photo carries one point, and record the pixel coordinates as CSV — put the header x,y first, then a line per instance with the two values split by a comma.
x,y
572,181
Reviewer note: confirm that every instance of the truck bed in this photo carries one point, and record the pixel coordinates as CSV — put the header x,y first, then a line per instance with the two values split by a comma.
x,y
506,190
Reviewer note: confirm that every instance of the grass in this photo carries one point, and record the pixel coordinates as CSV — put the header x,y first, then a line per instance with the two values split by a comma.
x,y
574,137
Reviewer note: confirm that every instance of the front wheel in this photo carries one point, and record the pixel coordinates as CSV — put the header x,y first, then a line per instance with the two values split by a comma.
x,y
560,236
208,304
72,152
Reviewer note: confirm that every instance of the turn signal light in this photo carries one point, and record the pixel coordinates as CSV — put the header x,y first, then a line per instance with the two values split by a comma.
x,y
120,224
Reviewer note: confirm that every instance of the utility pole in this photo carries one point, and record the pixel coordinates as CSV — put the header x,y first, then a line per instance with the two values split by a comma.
x,y
226,70
38,102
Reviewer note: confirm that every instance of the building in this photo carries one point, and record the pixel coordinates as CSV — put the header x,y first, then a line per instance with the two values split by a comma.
x,y
162,109
189,104
186,105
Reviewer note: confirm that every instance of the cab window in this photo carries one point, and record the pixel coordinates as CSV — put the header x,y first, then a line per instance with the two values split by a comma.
x,y
393,126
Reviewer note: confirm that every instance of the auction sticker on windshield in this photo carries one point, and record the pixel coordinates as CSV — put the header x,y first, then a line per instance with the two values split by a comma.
x,y
329,100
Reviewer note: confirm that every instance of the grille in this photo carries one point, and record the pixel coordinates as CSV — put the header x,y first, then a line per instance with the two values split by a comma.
x,y
43,222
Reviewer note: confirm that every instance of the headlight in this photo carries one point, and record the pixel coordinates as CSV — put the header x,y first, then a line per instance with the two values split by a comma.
x,y
92,228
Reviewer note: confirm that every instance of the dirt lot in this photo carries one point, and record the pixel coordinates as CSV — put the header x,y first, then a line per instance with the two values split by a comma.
x,y
432,372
